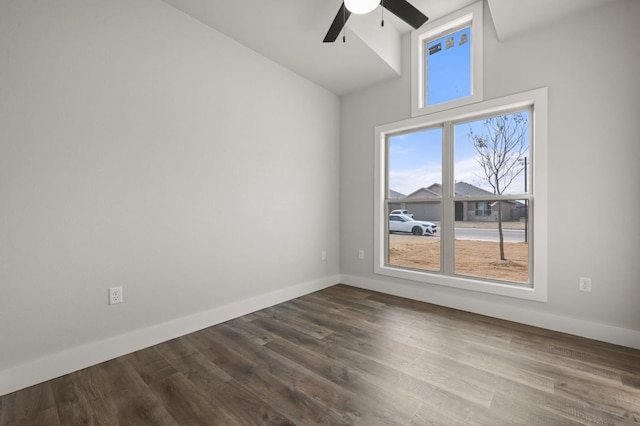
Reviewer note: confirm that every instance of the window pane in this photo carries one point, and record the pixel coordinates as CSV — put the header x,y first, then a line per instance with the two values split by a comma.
x,y
415,164
492,155
415,176
478,248
448,67
415,243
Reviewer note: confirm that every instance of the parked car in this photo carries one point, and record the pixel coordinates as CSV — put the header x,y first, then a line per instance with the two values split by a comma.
x,y
404,223
404,212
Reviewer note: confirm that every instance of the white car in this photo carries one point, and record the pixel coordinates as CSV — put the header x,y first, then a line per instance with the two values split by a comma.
x,y
404,212
404,223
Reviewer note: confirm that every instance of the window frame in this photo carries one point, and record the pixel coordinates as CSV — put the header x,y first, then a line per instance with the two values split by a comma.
x,y
537,196
472,15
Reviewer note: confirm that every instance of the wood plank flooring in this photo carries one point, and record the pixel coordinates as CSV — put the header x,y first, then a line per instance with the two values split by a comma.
x,y
346,356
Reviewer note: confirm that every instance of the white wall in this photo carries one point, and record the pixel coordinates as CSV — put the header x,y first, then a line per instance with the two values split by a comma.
x,y
140,148
590,63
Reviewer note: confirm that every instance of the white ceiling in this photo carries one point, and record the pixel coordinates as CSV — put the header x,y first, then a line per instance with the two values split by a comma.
x,y
290,32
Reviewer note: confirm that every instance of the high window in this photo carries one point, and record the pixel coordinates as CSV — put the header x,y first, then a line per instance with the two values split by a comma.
x,y
447,62
474,178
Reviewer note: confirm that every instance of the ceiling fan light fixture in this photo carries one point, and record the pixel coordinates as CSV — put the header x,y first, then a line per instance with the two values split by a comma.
x,y
360,7
401,8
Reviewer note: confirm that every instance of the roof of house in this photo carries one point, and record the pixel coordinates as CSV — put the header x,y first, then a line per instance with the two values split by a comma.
x,y
423,193
463,189
395,194
466,189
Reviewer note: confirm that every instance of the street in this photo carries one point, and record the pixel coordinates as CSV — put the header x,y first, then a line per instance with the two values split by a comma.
x,y
480,234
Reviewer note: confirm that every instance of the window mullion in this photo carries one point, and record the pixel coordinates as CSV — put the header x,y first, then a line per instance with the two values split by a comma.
x,y
447,225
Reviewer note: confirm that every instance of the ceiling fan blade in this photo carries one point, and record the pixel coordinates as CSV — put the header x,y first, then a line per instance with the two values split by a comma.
x,y
337,24
405,11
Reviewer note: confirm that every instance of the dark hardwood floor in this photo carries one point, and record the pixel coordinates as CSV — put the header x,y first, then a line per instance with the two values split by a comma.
x,y
349,356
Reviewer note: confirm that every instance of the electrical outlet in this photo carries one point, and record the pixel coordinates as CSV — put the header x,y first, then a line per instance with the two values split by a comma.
x,y
323,255
585,284
115,295
361,254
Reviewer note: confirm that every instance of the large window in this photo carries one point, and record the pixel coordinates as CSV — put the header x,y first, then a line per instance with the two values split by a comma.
x,y
447,62
474,179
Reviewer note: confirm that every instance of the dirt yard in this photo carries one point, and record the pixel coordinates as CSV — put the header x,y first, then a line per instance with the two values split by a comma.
x,y
475,258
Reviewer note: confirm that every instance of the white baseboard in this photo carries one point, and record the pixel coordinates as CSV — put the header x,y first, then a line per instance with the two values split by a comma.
x,y
55,365
58,364
578,327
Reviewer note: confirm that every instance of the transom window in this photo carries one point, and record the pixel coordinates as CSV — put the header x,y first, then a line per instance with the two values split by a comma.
x,y
447,62
447,67
474,179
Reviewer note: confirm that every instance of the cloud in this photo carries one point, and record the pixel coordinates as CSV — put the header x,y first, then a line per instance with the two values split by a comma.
x,y
397,149
469,171
466,170
410,180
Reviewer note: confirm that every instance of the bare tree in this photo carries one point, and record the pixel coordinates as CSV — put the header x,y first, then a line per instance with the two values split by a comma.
x,y
502,149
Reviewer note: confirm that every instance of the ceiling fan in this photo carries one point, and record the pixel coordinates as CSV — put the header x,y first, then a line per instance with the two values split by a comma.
x,y
401,8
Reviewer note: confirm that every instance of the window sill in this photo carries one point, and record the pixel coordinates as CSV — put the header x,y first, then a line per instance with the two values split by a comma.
x,y
535,293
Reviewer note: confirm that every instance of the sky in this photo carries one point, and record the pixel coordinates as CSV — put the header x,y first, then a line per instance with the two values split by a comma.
x,y
448,67
415,159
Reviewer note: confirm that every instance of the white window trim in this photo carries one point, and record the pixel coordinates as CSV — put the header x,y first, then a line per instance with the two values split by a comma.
x,y
538,290
471,14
